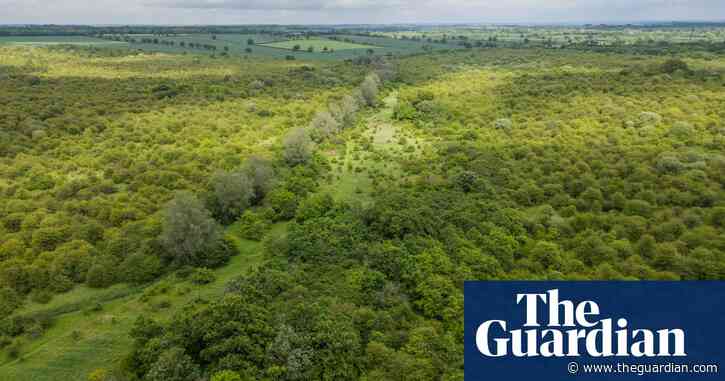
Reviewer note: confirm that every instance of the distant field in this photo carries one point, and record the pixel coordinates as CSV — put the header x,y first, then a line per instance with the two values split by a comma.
x,y
318,45
267,45
56,40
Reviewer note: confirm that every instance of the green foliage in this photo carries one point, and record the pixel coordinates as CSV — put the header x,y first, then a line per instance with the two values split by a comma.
x,y
231,195
202,276
226,375
173,365
283,203
297,147
189,233
485,164
253,225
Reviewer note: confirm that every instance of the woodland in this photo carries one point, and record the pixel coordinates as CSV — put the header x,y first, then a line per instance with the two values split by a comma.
x,y
174,217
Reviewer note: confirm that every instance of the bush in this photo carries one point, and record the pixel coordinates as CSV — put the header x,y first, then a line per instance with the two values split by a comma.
x,y
253,226
674,64
41,296
103,272
297,146
283,202
226,375
202,276
648,118
503,124
174,365
140,268
9,301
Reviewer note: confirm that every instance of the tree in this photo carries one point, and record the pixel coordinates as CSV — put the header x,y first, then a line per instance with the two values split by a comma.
x,y
232,194
261,173
323,125
370,89
103,271
283,202
136,268
297,146
188,229
253,226
250,41
174,365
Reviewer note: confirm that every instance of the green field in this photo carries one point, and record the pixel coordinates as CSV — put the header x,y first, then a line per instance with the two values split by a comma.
x,y
340,47
318,45
56,40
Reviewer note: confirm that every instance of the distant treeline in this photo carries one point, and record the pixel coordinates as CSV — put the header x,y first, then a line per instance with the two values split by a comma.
x,y
80,30
87,30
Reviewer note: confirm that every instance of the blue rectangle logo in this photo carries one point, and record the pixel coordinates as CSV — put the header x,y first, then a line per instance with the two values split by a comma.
x,y
594,330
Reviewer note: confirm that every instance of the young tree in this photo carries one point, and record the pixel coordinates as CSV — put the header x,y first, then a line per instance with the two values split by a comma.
x,y
297,146
232,193
261,173
188,229
323,125
174,365
370,89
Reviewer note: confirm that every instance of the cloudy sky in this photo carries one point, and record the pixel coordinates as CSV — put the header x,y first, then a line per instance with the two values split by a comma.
x,y
352,11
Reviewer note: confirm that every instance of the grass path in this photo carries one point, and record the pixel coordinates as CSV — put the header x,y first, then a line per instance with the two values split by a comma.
x,y
81,341
372,150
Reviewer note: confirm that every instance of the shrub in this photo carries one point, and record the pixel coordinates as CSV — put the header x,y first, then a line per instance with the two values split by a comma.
x,y
202,276
226,375
503,124
140,268
9,301
283,202
297,146
253,226
174,365
41,296
648,118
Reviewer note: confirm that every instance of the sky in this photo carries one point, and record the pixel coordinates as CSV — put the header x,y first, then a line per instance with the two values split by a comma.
x,y
197,12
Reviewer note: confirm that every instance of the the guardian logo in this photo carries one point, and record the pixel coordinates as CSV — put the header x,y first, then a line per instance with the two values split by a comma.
x,y
573,330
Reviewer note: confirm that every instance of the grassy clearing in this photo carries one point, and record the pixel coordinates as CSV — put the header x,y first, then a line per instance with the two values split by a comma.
x,y
372,152
88,338
318,45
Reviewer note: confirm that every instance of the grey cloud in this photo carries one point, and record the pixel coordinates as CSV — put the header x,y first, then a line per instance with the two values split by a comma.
x,y
353,11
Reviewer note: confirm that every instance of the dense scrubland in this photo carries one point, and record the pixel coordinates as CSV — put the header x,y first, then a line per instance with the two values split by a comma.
x,y
232,218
